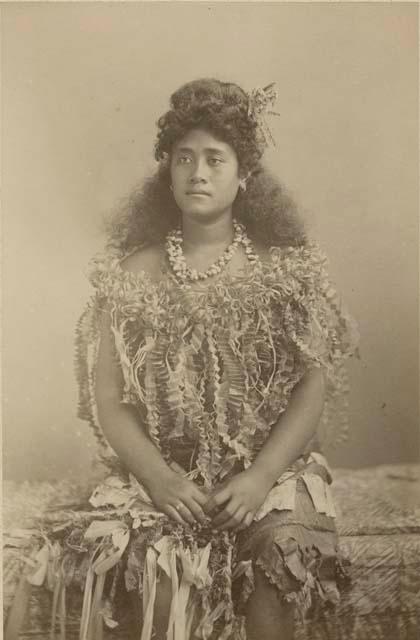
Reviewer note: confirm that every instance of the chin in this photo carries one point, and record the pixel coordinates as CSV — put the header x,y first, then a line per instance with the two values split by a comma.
x,y
198,211
202,214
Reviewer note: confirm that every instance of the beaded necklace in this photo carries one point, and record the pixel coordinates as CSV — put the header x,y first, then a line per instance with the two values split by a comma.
x,y
185,274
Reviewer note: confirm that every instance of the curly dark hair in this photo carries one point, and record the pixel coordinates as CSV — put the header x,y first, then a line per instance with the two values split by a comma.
x,y
218,107
221,108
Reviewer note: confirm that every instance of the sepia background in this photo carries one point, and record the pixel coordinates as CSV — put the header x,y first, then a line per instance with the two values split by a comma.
x,y
83,85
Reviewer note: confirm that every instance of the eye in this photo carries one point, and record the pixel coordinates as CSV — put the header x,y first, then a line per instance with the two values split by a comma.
x,y
184,159
215,161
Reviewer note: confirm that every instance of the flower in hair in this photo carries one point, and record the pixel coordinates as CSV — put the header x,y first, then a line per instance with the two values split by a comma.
x,y
259,101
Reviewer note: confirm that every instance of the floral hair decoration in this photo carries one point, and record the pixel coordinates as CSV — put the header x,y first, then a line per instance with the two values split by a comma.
x,y
259,99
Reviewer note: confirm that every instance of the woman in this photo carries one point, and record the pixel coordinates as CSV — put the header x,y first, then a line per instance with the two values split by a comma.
x,y
208,358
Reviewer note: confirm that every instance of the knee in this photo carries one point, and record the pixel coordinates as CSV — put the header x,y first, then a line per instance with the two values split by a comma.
x,y
268,614
268,594
263,588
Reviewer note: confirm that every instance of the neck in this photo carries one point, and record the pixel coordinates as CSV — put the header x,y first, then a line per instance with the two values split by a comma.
x,y
198,233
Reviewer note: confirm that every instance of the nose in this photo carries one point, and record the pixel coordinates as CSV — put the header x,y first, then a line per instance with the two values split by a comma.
x,y
198,173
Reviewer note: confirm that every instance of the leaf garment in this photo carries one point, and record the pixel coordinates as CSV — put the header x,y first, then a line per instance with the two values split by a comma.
x,y
217,366
210,371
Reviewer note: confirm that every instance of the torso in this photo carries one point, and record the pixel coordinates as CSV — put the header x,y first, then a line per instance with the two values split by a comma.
x,y
216,351
226,352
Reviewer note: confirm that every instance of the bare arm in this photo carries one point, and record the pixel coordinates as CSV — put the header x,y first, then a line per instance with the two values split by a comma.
x,y
244,493
294,429
128,437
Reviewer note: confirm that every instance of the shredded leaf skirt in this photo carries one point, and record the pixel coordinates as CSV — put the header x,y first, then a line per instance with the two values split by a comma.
x,y
124,546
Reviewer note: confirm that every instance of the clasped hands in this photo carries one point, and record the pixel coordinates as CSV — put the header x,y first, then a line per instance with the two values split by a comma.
x,y
231,506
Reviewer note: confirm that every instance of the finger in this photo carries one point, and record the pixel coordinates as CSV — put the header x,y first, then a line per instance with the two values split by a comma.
x,y
197,512
222,517
246,522
239,517
236,520
231,524
185,513
217,499
228,512
200,497
173,513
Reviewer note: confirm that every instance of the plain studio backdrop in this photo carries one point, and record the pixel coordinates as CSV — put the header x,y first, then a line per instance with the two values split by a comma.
x,y
83,85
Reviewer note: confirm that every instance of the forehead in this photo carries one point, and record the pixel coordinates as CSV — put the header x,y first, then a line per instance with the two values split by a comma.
x,y
201,140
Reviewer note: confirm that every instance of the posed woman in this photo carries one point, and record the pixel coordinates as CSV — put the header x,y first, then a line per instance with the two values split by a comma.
x,y
210,360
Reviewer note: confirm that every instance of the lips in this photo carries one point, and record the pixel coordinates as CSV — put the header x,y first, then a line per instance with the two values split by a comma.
x,y
197,193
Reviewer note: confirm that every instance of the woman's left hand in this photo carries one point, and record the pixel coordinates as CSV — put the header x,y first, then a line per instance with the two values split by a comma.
x,y
240,497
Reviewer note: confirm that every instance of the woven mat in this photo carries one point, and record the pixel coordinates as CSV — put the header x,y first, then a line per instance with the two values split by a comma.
x,y
382,500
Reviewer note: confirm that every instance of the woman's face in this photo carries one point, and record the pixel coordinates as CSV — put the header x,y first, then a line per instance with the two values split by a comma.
x,y
205,175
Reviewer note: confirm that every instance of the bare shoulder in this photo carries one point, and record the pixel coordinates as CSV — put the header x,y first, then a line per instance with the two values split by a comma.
x,y
147,259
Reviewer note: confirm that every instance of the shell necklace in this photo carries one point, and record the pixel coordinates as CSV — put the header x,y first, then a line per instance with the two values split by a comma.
x,y
179,265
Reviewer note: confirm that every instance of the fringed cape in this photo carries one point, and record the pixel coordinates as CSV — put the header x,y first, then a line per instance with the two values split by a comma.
x,y
219,364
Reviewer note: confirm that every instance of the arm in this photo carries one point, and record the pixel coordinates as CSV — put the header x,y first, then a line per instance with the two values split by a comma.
x,y
294,429
128,437
245,492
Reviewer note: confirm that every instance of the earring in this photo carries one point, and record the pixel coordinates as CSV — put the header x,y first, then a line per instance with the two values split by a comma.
x,y
242,185
171,187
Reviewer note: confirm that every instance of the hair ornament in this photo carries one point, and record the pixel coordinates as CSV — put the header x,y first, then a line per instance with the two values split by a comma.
x,y
259,101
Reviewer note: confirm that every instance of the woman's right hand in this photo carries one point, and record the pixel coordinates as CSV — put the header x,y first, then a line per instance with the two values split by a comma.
x,y
179,498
